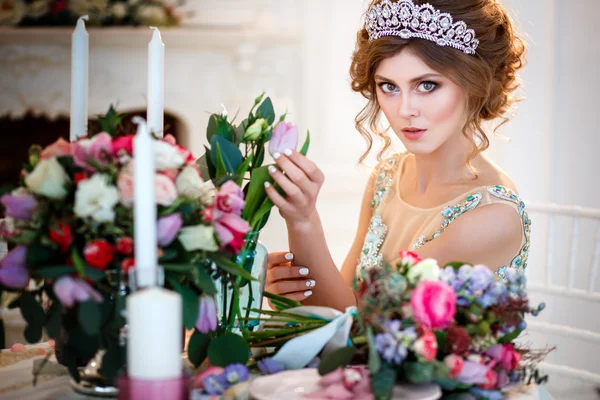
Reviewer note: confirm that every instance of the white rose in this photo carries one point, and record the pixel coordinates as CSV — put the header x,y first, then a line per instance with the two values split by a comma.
x,y
12,12
189,183
199,237
48,179
167,156
96,198
427,269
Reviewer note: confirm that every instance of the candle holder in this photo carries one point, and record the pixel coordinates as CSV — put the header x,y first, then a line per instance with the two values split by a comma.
x,y
160,389
141,278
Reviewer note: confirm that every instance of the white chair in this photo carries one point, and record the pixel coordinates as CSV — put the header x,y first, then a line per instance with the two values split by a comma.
x,y
563,272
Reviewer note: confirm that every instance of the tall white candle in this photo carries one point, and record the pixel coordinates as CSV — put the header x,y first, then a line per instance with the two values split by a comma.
x,y
154,334
144,206
79,80
156,84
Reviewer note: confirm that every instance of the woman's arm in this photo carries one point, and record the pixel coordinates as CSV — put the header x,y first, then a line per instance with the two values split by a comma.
x,y
306,236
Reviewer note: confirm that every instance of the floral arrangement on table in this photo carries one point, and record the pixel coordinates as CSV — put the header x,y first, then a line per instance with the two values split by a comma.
x,y
418,323
70,225
101,12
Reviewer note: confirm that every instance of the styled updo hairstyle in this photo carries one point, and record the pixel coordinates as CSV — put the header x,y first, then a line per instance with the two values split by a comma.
x,y
489,76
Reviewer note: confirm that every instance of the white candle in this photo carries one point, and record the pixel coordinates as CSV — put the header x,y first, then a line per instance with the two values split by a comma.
x,y
156,84
144,216
154,334
79,80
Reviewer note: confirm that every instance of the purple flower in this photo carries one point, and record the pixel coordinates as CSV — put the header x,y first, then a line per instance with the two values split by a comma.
x,y
285,136
487,394
207,315
270,366
393,344
481,277
487,299
235,373
464,272
215,384
167,229
70,291
19,205
13,270
472,373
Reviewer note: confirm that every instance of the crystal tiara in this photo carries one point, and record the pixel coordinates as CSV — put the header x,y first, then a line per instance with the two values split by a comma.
x,y
407,20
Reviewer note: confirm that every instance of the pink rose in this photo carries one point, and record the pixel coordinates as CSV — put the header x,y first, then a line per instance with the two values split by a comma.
x,y
98,148
230,198
454,364
57,149
433,304
231,230
285,136
125,185
409,258
124,143
166,191
426,346
505,355
491,380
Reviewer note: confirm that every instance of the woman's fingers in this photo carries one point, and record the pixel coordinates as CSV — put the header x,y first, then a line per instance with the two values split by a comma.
x,y
279,258
308,168
280,273
291,286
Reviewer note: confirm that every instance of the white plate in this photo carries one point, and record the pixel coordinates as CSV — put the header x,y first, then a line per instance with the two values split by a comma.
x,y
294,384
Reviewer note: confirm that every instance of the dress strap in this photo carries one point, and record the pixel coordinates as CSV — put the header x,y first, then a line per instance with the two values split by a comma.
x,y
384,179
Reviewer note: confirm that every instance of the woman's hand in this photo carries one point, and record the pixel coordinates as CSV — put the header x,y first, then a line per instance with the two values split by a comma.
x,y
301,180
286,279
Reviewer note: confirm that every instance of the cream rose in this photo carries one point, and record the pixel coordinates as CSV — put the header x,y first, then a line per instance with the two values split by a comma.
x,y
165,190
167,156
199,237
48,179
426,269
190,184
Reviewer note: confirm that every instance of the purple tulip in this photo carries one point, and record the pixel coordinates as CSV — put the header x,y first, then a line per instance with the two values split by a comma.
x,y
167,229
19,205
13,270
270,366
70,291
285,136
207,315
472,373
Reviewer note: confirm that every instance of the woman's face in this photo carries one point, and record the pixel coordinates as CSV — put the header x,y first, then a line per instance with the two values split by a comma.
x,y
424,108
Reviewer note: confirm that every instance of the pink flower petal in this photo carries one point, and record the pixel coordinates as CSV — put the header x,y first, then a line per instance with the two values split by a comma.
x,y
336,376
18,348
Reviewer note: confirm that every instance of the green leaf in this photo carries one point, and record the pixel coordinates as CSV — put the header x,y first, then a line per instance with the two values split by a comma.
x,y
231,267
198,347
94,273
509,337
182,268
230,153
240,131
39,254
203,280
225,129
440,337
211,129
206,165
456,264
264,209
337,358
33,313
55,272
382,383
221,167
440,369
228,349
266,111
374,359
417,372
304,148
256,191
191,303
113,361
88,314
242,169
288,302
78,262
54,318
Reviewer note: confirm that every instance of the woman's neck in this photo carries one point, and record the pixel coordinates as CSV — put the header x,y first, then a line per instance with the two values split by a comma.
x,y
445,166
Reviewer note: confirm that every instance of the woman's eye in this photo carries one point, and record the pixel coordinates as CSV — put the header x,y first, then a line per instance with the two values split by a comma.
x,y
387,87
427,86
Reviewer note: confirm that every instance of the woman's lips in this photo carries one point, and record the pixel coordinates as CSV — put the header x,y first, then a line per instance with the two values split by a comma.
x,y
413,133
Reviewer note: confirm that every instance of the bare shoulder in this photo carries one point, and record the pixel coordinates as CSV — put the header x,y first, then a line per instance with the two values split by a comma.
x,y
490,174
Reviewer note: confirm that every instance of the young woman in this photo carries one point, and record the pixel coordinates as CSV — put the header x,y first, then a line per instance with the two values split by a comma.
x,y
436,71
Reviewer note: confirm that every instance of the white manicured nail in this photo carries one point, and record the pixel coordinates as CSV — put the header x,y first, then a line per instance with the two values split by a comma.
x,y
267,184
308,293
276,155
310,283
287,152
303,271
290,257
272,169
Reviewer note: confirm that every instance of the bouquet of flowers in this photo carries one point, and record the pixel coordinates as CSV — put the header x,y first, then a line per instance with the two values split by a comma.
x,y
100,12
418,323
70,225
